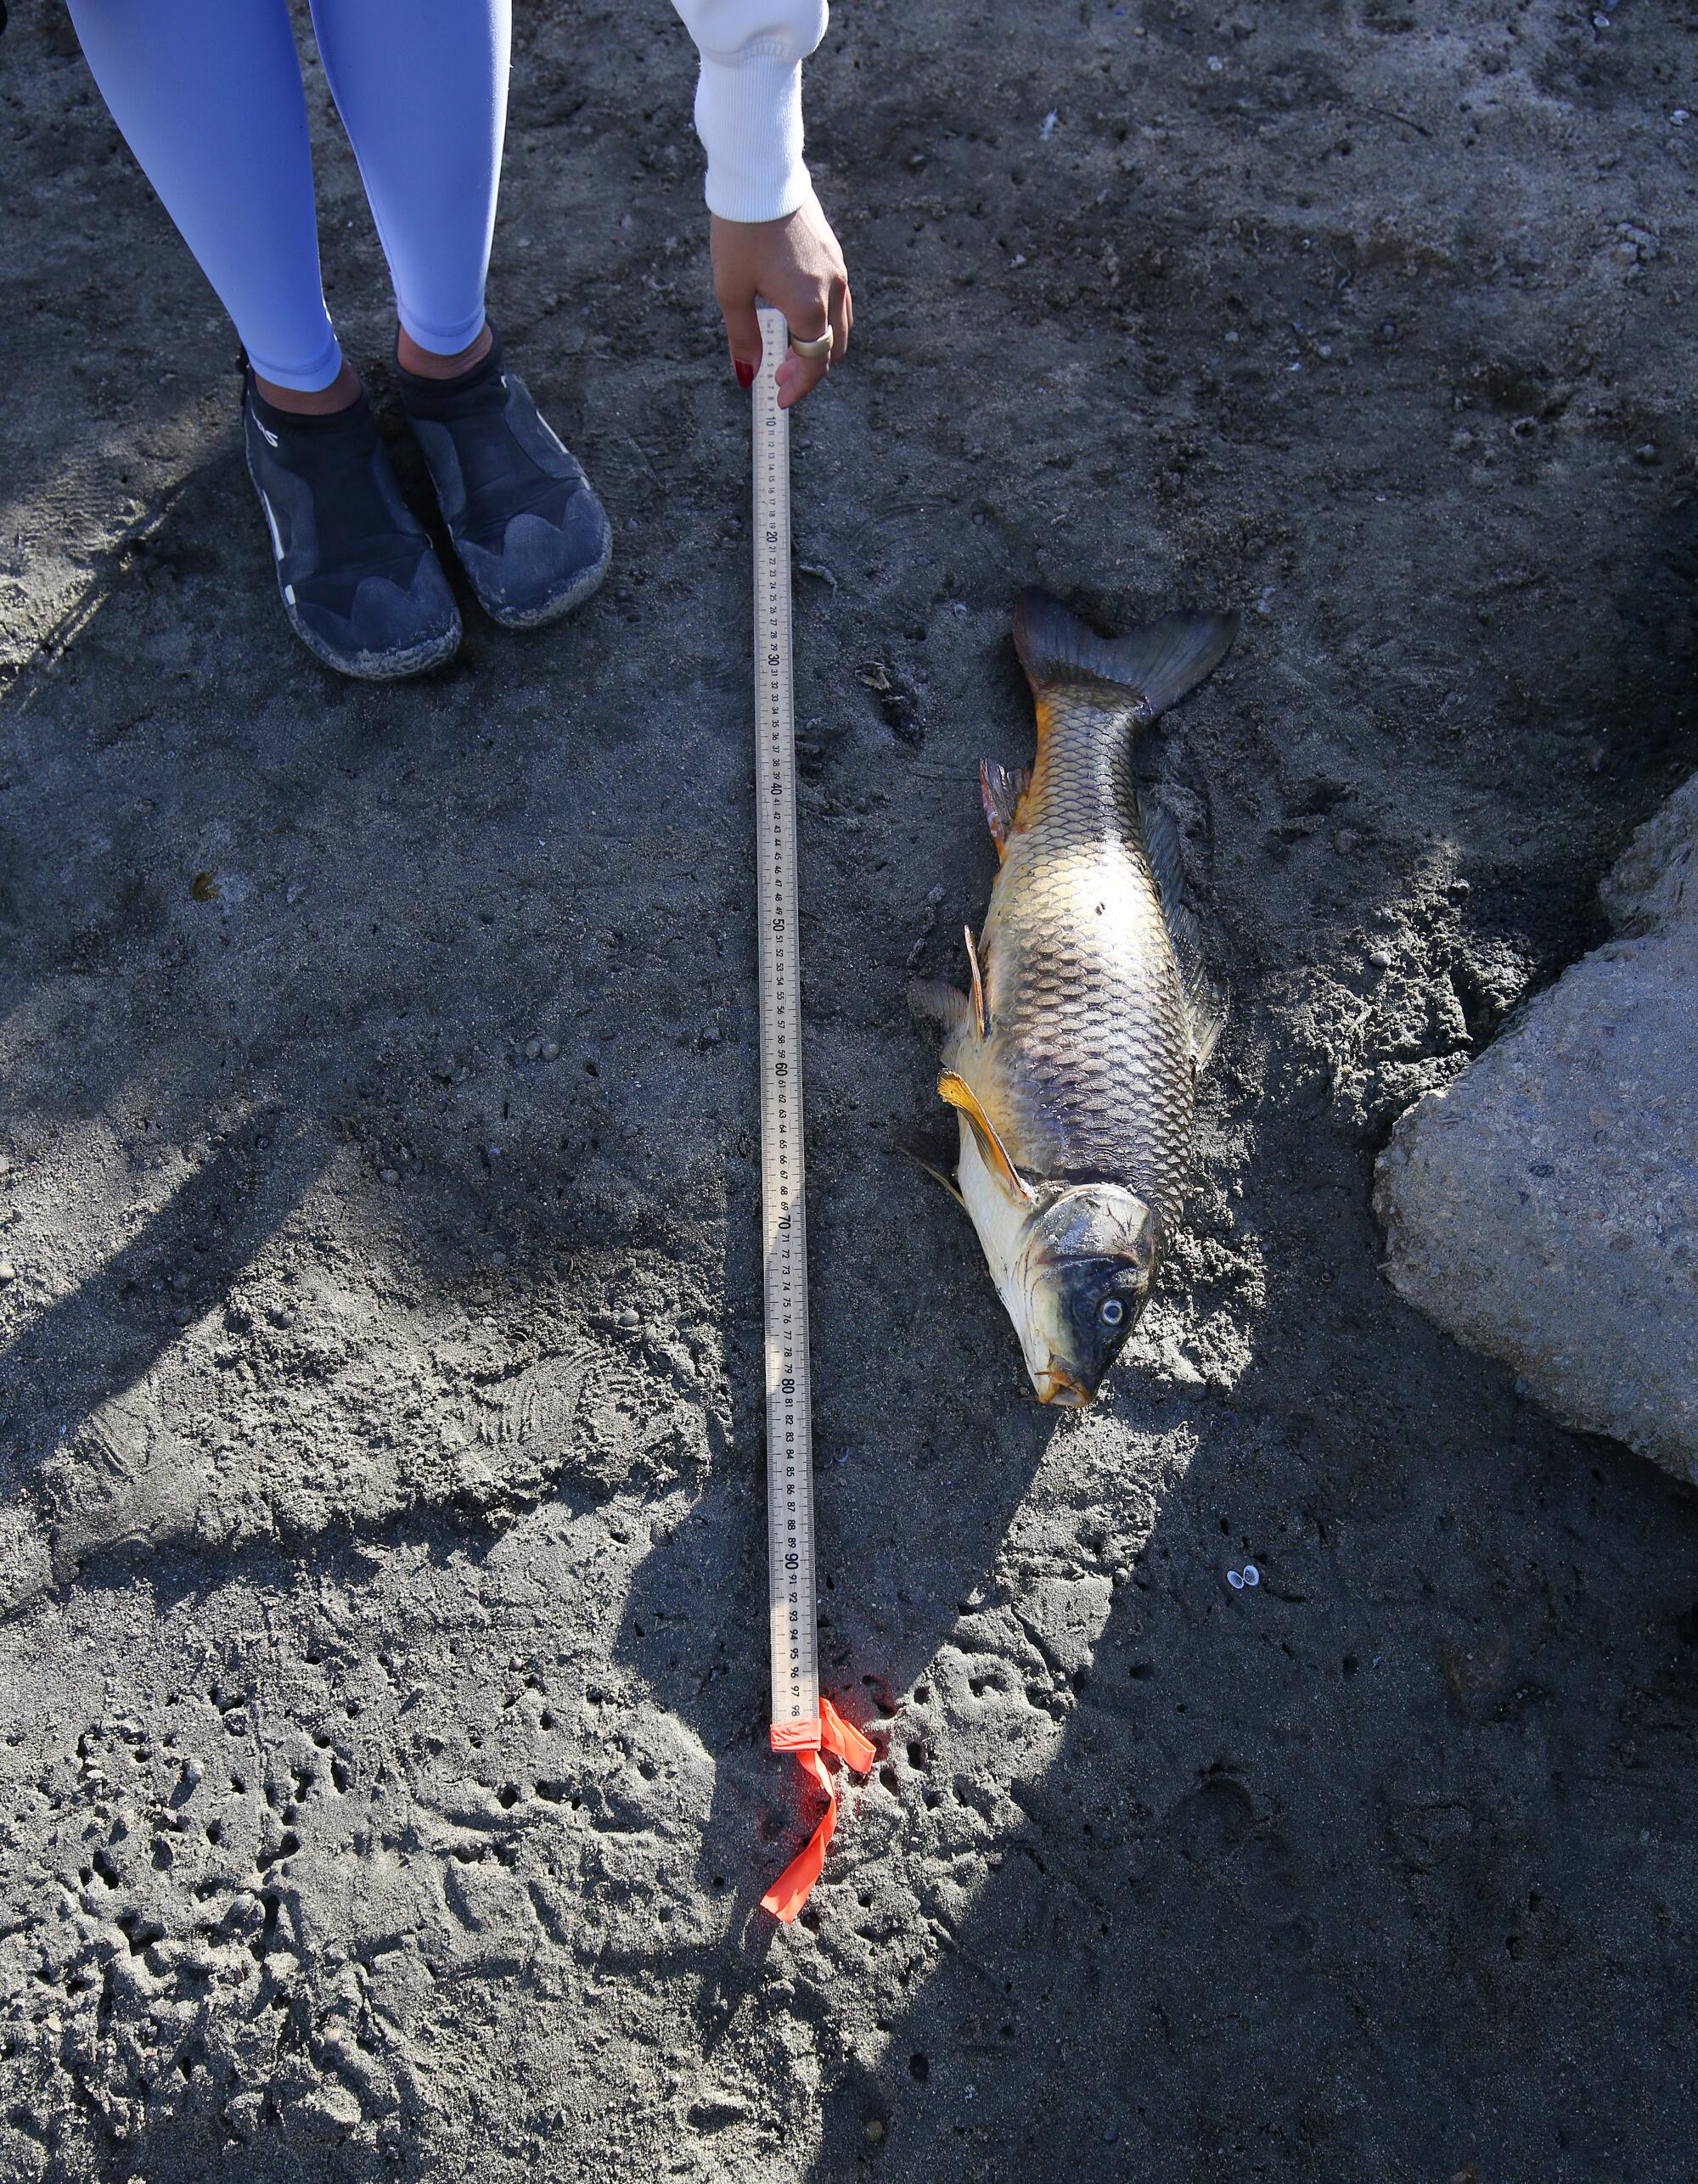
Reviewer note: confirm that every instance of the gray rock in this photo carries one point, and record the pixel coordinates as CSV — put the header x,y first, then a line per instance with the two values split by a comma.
x,y
1543,1207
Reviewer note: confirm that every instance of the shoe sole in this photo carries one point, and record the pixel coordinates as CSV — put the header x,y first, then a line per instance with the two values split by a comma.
x,y
378,667
398,667
551,610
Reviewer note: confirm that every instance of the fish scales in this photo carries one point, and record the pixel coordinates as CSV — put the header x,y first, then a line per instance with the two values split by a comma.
x,y
1072,1063
1088,1060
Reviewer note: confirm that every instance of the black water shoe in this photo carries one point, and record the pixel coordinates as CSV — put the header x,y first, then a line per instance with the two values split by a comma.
x,y
530,533
360,583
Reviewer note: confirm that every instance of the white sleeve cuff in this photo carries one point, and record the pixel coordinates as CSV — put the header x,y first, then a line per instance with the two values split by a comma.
x,y
748,115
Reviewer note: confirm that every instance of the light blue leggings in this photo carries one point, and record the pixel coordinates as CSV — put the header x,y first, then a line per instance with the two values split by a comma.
x,y
208,94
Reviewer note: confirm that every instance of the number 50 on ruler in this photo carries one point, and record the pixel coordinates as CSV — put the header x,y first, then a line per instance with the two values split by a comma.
x,y
802,1721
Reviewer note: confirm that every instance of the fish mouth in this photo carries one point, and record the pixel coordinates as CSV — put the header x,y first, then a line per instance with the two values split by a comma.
x,y
1056,1385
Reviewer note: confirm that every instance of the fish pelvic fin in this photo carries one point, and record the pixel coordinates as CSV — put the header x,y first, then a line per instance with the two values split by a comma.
x,y
981,1014
1151,668
939,1002
1002,787
957,1093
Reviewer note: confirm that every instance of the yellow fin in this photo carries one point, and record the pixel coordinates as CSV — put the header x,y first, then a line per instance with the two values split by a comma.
x,y
958,1093
1000,790
936,1174
981,1014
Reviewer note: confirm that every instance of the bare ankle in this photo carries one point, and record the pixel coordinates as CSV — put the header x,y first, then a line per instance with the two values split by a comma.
x,y
427,364
313,402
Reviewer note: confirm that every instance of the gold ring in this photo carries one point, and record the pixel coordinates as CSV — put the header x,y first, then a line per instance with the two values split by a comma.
x,y
819,346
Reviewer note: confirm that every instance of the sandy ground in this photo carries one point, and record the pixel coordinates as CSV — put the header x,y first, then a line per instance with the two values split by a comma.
x,y
384,1789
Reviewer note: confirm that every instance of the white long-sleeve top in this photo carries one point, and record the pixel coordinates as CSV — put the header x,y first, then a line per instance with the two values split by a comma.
x,y
748,101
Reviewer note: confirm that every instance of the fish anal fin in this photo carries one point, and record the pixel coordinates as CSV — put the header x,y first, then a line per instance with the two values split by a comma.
x,y
939,1002
1002,787
981,1014
959,1094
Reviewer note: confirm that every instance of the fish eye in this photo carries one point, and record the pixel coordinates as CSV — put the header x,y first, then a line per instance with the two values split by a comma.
x,y
1111,1311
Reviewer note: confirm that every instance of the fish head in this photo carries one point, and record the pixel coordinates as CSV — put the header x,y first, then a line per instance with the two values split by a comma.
x,y
1072,1263
1086,1261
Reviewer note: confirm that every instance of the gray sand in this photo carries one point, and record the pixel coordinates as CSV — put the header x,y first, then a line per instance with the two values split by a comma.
x,y
385,1782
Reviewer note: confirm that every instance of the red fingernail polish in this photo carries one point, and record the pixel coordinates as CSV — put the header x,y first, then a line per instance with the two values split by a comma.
x,y
745,373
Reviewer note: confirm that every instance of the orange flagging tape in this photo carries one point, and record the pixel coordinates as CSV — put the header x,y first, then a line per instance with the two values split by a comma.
x,y
789,1892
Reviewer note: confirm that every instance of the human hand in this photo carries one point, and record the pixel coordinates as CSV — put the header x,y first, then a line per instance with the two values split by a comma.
x,y
795,265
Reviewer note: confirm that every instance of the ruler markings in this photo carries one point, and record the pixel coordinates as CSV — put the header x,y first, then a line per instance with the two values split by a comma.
x,y
790,1453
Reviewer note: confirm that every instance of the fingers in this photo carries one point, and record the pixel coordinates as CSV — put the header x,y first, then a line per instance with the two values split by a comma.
x,y
797,376
743,336
842,319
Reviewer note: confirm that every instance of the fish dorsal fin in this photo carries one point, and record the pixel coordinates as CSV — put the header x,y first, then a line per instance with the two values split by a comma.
x,y
1162,847
981,1014
1002,787
943,1003
1151,667
1205,1001
959,1094
1208,1006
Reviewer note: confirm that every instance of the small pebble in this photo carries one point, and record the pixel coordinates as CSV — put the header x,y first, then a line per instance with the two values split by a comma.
x,y
9,1273
1380,958
533,1050
498,1258
872,2130
628,1318
934,897
551,1050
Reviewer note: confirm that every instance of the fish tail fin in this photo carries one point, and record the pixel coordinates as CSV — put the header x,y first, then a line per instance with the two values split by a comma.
x,y
1153,666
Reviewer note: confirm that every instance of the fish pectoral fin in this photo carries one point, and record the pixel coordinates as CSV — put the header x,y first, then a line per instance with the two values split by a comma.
x,y
939,1002
937,1175
959,1094
1002,787
981,1014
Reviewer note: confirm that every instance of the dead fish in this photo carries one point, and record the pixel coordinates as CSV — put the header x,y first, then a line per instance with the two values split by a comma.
x,y
1072,1063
